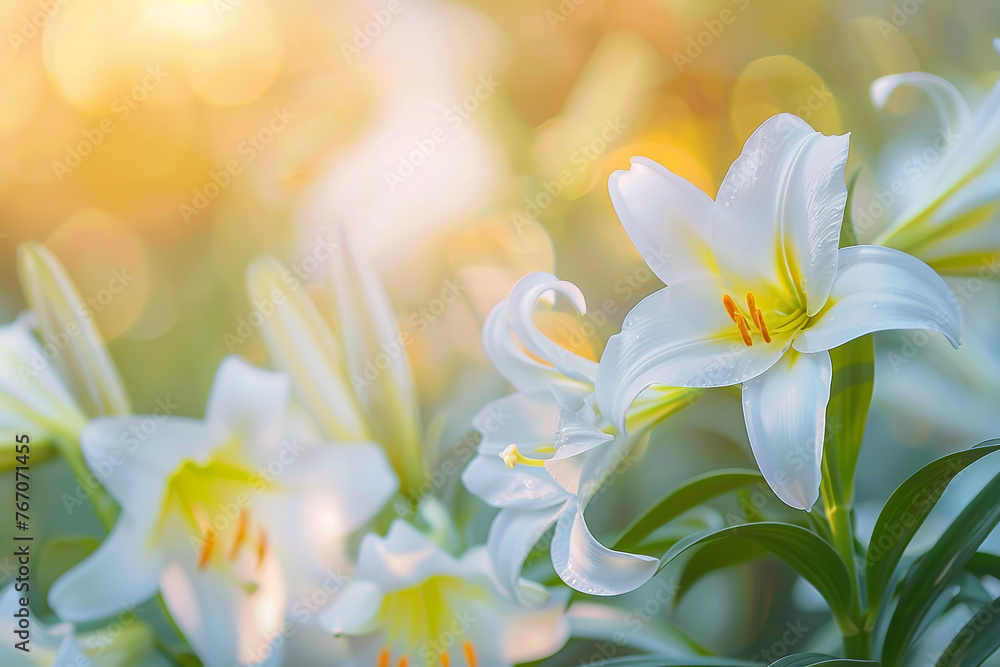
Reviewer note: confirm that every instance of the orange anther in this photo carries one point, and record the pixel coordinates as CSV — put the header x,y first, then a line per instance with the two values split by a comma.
x,y
206,549
241,533
763,327
730,305
445,659
751,303
261,549
383,658
403,662
470,654
745,332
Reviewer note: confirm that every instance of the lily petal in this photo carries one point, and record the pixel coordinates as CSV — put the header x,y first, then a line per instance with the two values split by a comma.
x,y
119,574
878,289
302,345
512,537
133,457
225,623
354,611
749,217
60,310
371,337
250,403
679,336
588,566
495,484
404,557
952,109
31,393
668,219
785,412
523,301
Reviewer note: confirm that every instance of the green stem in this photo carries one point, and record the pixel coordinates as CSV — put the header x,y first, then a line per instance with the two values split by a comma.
x,y
104,505
857,640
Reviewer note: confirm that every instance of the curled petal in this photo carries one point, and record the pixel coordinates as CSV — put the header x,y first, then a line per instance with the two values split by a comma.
x,y
879,289
952,109
588,566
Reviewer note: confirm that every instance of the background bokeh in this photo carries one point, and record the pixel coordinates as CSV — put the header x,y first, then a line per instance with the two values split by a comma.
x,y
157,146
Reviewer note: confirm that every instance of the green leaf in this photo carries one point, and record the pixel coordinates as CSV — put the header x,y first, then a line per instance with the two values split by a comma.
x,y
977,641
671,661
846,414
905,512
685,497
935,571
848,235
711,558
807,553
984,565
815,659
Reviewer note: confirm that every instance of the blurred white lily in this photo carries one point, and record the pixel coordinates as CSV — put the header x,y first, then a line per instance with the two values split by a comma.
x,y
65,323
544,452
759,291
33,396
413,604
356,385
222,516
50,388
948,214
130,642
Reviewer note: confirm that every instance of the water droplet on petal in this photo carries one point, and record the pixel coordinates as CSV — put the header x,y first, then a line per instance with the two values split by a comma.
x,y
874,306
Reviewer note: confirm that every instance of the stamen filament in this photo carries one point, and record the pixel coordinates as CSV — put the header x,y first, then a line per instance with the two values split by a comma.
x,y
511,457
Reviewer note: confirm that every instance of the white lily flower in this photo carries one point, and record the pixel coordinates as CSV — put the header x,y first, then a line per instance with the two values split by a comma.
x,y
33,396
759,291
413,604
222,516
552,429
948,215
127,643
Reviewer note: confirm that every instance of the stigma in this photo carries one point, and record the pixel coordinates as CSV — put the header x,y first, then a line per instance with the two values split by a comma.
x,y
740,319
512,457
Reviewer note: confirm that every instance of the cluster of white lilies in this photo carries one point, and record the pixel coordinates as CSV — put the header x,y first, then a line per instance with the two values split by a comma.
x,y
285,490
